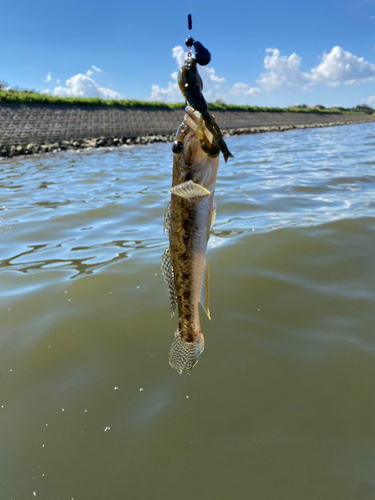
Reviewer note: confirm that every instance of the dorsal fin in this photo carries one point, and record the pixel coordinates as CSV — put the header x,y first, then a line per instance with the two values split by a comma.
x,y
167,219
211,219
205,292
168,275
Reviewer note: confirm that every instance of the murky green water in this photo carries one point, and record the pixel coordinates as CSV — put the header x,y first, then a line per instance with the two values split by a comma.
x,y
282,402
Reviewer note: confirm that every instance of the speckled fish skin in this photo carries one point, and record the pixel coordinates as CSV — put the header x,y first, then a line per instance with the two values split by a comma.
x,y
189,228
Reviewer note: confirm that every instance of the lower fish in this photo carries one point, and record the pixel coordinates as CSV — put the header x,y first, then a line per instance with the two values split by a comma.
x,y
188,221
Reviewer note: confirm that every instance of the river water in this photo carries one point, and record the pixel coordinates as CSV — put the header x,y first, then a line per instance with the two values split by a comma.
x,y
282,402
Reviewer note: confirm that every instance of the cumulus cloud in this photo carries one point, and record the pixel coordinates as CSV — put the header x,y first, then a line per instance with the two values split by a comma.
x,y
333,84
169,94
213,76
95,68
48,77
283,72
83,86
243,90
337,67
340,65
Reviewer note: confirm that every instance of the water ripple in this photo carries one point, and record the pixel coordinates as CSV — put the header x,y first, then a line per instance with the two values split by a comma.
x,y
58,206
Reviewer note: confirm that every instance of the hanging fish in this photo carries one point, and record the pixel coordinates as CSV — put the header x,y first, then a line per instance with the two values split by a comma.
x,y
191,86
188,221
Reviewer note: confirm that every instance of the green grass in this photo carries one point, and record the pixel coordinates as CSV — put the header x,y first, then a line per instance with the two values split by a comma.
x,y
36,98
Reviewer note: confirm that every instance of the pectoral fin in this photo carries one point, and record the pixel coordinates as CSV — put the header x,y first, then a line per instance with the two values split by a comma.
x,y
190,190
210,220
213,215
167,272
205,293
167,219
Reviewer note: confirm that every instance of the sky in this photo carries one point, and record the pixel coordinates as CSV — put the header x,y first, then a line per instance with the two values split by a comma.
x,y
264,52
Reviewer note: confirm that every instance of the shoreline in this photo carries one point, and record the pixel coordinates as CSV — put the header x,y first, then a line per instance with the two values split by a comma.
x,y
29,129
10,151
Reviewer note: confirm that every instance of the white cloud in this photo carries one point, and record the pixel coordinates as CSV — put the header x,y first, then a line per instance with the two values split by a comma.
x,y
333,84
351,82
93,68
337,67
243,89
213,76
283,72
178,53
169,94
84,86
341,65
48,77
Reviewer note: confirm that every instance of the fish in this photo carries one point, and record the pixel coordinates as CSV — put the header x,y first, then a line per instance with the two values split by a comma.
x,y
191,86
188,222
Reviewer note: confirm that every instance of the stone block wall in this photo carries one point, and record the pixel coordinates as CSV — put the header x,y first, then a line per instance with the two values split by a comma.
x,y
21,124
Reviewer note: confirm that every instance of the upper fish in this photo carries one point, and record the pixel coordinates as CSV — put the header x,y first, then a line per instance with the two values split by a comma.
x,y
191,86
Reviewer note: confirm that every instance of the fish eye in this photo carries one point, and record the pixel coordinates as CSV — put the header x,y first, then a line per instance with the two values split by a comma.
x,y
177,147
189,176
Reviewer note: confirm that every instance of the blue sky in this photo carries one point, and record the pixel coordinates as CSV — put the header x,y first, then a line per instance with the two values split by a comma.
x,y
269,52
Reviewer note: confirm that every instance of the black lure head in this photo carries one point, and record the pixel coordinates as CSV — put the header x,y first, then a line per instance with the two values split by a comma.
x,y
202,55
189,41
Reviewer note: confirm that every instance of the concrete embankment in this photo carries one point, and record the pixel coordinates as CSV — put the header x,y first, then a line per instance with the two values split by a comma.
x,y
33,128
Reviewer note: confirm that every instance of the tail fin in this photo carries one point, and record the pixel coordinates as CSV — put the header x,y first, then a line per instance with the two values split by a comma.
x,y
185,354
214,128
224,149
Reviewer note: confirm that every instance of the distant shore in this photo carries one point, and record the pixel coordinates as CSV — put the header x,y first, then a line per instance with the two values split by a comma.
x,y
11,96
38,128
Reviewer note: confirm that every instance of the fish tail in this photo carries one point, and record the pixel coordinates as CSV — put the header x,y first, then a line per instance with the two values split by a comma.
x,y
184,354
224,149
213,127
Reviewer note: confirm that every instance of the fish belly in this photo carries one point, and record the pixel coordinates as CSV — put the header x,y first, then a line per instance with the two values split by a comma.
x,y
188,242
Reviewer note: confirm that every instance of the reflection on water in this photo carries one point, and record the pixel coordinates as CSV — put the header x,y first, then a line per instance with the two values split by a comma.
x,y
271,183
282,404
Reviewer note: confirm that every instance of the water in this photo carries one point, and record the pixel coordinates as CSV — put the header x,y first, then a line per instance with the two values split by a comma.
x,y
281,404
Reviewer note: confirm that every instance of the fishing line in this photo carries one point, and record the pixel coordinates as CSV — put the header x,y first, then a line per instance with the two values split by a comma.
x,y
189,41
202,55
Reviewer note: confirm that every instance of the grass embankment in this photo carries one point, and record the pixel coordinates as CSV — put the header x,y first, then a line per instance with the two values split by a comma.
x,y
36,98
